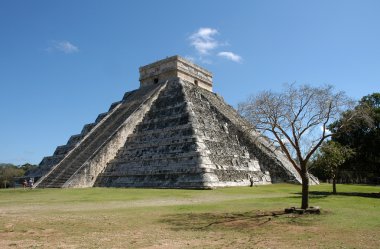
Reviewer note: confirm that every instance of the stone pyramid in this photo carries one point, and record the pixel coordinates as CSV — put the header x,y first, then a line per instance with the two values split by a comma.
x,y
172,132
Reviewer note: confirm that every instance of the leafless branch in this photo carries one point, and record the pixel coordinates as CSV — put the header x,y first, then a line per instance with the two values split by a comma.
x,y
294,117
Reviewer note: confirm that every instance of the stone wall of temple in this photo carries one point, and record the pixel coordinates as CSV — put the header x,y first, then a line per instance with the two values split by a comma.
x,y
172,68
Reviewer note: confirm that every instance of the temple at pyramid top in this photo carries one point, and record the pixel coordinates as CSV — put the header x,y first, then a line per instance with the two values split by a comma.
x,y
175,67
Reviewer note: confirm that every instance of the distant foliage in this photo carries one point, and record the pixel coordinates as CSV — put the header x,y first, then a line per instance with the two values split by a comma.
x,y
362,135
8,173
330,157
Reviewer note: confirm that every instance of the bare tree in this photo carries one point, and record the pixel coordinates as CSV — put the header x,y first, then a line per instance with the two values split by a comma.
x,y
296,119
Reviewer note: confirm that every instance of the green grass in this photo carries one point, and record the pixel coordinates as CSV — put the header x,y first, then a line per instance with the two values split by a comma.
x,y
239,217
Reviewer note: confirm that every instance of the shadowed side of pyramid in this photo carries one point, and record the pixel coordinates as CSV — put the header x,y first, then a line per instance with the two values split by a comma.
x,y
239,143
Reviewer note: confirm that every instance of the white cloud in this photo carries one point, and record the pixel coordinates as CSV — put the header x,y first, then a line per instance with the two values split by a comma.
x,y
206,45
327,131
62,46
203,40
230,56
285,141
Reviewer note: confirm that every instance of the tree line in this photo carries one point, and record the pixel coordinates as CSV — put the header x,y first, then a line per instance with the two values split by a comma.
x,y
11,175
353,153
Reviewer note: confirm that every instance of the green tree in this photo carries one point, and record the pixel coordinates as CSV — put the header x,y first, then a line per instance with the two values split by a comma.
x,y
330,157
363,135
27,167
8,172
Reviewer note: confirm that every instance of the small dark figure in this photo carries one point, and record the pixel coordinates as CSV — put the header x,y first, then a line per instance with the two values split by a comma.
x,y
30,183
251,181
24,183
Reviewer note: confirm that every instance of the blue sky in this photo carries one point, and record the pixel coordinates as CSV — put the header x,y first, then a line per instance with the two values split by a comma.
x,y
64,62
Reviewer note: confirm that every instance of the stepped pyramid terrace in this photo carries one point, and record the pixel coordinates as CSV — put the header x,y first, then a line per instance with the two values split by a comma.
x,y
172,132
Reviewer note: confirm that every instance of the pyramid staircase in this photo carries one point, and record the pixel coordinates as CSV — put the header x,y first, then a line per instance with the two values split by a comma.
x,y
94,137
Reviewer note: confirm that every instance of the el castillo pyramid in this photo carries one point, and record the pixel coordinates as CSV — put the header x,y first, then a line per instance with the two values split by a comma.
x,y
172,132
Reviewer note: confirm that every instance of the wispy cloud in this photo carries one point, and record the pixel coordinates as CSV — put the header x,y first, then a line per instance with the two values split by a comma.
x,y
203,40
62,46
230,56
327,131
205,43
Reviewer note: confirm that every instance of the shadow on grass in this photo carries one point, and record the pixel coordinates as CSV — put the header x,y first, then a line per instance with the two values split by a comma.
x,y
358,194
323,194
203,221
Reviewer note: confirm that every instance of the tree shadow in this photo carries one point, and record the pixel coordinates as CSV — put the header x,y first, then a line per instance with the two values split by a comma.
x,y
203,221
323,194
357,194
318,195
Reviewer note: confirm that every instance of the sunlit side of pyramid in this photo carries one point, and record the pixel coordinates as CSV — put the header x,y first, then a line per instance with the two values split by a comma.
x,y
172,132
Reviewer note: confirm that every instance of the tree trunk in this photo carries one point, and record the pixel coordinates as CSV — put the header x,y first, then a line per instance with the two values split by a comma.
x,y
305,187
334,185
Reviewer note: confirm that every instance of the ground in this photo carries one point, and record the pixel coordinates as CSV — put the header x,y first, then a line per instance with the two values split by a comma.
x,y
240,217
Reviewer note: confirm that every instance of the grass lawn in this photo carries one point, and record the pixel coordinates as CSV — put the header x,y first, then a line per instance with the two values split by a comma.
x,y
239,217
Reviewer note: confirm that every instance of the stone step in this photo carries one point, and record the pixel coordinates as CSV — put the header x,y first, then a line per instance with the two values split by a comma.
x,y
166,118
100,117
149,142
158,156
167,130
161,125
74,139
